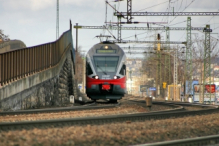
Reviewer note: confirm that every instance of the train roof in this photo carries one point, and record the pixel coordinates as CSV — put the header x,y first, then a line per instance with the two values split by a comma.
x,y
106,42
109,45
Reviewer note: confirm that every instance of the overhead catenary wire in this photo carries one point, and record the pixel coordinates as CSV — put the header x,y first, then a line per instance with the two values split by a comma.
x,y
153,6
156,5
182,10
167,9
178,23
106,13
118,12
178,9
180,5
135,35
209,20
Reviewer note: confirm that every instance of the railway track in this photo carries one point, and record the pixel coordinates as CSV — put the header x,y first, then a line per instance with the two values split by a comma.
x,y
173,113
180,103
212,140
85,106
85,126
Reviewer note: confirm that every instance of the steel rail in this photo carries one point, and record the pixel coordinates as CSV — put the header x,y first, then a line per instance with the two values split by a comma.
x,y
179,103
91,120
191,104
204,140
50,110
178,112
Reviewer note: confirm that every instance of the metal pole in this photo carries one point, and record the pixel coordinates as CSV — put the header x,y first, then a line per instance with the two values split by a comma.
x,y
131,81
159,77
175,74
76,37
119,37
57,20
84,74
129,11
207,60
167,61
189,57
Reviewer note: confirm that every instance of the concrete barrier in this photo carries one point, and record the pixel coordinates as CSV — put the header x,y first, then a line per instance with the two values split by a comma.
x,y
49,87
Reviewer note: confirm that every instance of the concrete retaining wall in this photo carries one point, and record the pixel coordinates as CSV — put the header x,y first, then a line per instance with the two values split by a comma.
x,y
47,88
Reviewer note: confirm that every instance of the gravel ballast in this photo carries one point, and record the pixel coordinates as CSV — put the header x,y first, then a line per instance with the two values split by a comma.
x,y
126,108
126,133
115,134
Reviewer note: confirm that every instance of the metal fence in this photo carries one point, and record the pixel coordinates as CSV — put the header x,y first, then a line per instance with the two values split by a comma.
x,y
17,64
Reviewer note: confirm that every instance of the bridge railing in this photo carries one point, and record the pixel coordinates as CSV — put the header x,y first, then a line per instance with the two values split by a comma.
x,y
20,63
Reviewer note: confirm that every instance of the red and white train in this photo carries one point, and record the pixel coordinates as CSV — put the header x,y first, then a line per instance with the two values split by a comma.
x,y
105,72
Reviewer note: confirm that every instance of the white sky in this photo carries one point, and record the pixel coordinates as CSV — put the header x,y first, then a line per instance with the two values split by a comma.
x,y
34,21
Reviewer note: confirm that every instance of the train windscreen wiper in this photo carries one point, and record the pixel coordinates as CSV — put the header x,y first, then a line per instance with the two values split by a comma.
x,y
102,70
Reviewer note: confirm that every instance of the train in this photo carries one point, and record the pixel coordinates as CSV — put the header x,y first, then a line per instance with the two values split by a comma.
x,y
106,72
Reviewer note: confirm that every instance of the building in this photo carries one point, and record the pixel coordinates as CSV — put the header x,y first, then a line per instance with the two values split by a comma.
x,y
135,77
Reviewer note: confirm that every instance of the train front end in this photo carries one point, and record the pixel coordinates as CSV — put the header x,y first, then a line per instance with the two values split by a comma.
x,y
105,72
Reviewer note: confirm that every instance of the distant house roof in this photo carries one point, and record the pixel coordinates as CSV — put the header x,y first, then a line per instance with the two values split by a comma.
x,y
216,67
11,45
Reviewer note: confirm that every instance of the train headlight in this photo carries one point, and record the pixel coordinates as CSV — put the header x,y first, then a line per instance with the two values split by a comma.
x,y
96,77
106,47
115,77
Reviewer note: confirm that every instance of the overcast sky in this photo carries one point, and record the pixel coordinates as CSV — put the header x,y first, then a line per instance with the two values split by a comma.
x,y
34,21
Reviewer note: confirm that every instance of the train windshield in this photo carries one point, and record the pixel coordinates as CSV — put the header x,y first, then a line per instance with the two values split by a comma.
x,y
106,63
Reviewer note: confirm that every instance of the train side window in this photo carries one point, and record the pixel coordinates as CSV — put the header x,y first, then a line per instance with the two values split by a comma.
x,y
89,70
122,71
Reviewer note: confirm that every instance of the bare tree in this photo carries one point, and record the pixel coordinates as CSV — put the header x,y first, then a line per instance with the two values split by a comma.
x,y
79,65
198,55
3,37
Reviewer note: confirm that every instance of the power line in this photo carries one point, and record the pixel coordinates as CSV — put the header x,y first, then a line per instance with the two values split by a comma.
x,y
209,20
183,10
167,9
178,23
153,6
180,5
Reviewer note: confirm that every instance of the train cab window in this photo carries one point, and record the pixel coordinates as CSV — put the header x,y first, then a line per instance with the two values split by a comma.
x,y
89,70
123,69
106,63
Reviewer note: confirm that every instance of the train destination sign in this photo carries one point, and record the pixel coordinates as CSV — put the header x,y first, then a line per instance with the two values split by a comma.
x,y
111,51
